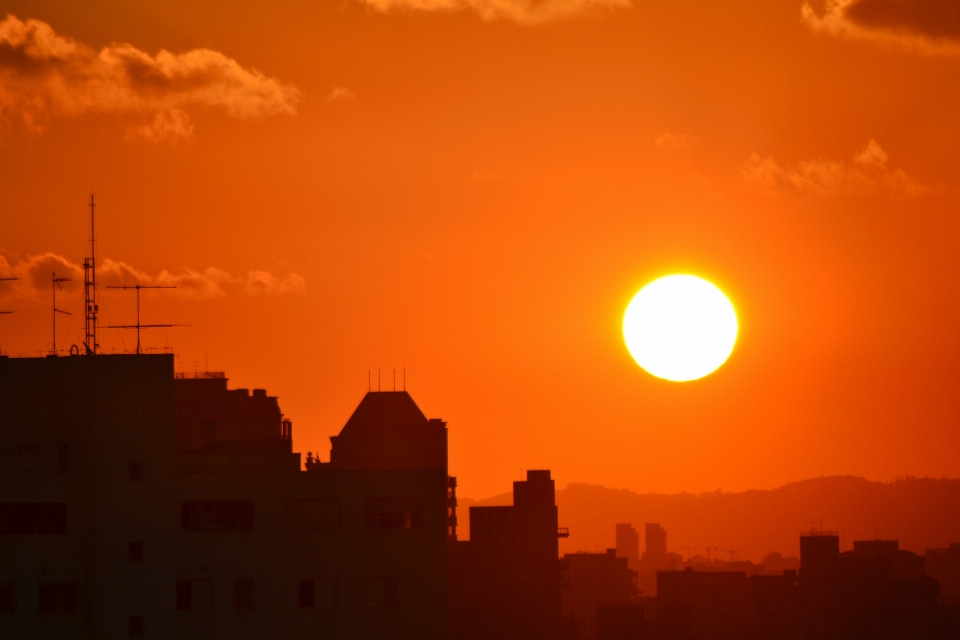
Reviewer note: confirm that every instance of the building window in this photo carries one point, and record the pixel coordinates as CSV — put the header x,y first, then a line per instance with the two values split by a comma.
x,y
63,458
217,515
137,627
243,593
394,513
196,595
8,598
312,514
24,518
135,471
57,598
382,593
135,551
318,594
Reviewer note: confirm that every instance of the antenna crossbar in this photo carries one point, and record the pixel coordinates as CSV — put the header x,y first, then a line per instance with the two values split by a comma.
x,y
140,325
5,313
57,283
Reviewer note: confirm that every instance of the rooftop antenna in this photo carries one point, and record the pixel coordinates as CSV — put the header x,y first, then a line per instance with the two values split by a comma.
x,y
139,326
4,313
57,284
394,380
369,384
90,288
404,378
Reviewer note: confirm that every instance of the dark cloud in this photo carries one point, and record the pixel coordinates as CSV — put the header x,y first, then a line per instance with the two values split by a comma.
x,y
932,25
930,18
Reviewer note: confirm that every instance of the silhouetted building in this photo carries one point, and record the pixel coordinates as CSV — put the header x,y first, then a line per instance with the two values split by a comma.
x,y
592,580
819,554
505,580
656,540
628,544
134,504
944,566
388,431
621,622
877,590
654,558
696,604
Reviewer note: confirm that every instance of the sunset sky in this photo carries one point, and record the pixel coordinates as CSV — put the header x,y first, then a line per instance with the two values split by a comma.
x,y
473,190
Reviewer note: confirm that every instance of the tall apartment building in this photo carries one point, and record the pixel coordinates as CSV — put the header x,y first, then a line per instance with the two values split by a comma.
x,y
136,504
505,581
628,544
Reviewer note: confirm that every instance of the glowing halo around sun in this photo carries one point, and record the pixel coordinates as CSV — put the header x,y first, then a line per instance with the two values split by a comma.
x,y
680,328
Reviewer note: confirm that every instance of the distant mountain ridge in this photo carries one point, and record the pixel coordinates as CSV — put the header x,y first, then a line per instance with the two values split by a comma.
x,y
921,513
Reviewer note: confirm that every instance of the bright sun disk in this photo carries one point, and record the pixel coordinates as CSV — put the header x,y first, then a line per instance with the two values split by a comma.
x,y
680,328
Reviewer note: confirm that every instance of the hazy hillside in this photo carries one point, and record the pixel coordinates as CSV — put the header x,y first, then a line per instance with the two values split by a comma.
x,y
920,512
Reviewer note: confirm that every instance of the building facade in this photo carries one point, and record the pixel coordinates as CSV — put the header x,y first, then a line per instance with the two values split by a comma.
x,y
136,504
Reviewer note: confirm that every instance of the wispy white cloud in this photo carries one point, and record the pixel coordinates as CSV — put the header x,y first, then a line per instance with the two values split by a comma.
x,y
43,74
35,274
340,94
867,172
675,140
522,11
930,26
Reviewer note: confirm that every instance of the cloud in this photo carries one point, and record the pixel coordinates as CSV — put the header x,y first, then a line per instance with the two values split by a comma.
x,y
167,126
675,140
35,273
479,176
932,26
43,74
867,173
340,94
522,11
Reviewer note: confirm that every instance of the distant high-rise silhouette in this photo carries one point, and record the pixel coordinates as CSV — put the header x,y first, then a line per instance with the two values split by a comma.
x,y
593,581
628,544
656,540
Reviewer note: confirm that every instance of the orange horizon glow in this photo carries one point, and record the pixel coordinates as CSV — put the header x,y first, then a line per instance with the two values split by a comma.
x,y
469,194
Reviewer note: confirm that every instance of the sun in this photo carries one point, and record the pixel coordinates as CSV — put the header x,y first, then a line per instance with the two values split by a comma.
x,y
680,328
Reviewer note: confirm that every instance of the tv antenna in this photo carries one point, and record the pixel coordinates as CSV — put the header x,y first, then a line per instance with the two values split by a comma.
x,y
139,326
90,288
4,313
57,284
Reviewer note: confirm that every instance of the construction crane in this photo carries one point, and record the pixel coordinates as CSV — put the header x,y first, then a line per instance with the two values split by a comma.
x,y
139,326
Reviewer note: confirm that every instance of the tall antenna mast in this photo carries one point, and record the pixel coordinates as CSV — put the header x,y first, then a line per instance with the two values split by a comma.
x,y
57,285
90,287
138,326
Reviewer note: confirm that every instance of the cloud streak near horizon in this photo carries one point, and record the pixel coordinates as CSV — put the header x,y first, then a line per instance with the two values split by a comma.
x,y
35,274
931,26
521,11
43,74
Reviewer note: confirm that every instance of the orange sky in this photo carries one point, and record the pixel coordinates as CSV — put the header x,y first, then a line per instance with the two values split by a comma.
x,y
473,190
